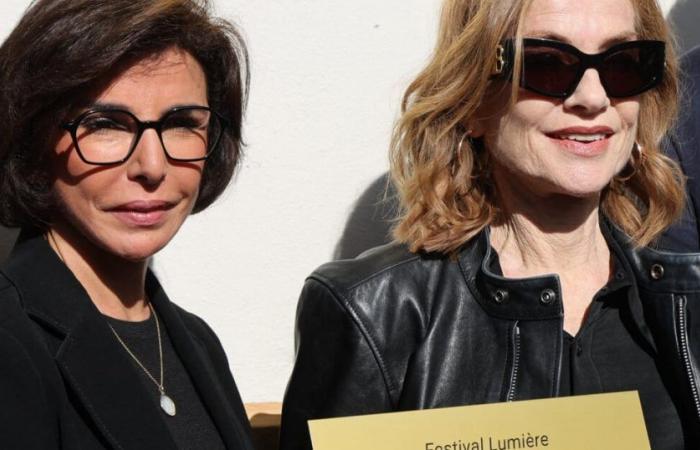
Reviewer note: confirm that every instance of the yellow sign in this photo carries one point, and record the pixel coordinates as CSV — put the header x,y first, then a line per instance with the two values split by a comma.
x,y
601,422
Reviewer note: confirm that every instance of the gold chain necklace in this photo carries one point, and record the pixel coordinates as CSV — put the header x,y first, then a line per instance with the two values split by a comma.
x,y
166,403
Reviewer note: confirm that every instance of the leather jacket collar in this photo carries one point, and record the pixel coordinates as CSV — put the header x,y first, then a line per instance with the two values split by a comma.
x,y
534,298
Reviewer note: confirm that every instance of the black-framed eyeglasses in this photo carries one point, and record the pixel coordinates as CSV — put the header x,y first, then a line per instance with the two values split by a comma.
x,y
107,136
554,69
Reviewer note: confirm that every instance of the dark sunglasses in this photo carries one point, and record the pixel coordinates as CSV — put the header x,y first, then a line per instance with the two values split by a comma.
x,y
554,69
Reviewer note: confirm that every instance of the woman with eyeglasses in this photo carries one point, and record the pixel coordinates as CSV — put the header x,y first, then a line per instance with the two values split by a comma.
x,y
118,119
532,189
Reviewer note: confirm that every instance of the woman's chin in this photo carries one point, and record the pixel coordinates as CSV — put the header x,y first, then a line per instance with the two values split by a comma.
x,y
581,187
134,250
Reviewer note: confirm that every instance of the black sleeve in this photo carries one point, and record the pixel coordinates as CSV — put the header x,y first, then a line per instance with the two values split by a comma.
x,y
683,145
26,421
335,373
682,236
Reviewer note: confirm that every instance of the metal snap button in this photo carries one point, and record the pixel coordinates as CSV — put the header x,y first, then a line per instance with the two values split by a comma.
x,y
657,271
500,296
548,296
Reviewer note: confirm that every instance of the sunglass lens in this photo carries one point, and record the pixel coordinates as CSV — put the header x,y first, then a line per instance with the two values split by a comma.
x,y
632,70
549,71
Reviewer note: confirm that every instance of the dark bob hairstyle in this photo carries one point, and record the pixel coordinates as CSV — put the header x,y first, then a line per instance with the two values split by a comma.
x,y
63,50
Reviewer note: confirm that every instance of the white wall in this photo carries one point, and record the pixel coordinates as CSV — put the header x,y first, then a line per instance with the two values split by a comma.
x,y
666,5
327,77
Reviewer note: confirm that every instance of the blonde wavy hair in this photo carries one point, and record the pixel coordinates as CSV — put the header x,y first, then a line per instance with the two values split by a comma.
x,y
442,179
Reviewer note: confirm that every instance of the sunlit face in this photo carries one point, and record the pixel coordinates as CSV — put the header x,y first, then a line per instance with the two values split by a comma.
x,y
545,146
133,209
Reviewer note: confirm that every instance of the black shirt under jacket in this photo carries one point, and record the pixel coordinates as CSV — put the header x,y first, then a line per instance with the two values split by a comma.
x,y
609,355
67,383
191,427
392,330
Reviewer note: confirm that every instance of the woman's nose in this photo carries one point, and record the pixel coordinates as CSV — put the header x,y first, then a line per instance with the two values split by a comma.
x,y
148,163
590,96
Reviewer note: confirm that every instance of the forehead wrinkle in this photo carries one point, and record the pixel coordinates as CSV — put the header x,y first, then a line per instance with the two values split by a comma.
x,y
565,20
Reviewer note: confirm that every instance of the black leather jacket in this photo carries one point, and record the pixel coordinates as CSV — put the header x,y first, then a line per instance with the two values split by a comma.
x,y
392,330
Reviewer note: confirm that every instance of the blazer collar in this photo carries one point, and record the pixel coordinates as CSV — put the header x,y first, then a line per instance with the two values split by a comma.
x,y
93,363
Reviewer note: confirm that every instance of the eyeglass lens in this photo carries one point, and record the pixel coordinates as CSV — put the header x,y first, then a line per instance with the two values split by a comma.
x,y
628,70
109,136
556,71
548,70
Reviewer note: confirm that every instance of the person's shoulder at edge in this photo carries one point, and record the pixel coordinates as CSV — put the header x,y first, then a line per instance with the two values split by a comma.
x,y
682,145
684,135
690,61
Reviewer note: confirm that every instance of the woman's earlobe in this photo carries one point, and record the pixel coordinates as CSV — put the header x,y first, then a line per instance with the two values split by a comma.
x,y
476,129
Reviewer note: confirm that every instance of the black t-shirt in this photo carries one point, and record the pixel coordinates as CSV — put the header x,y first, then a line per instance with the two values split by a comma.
x,y
610,355
191,427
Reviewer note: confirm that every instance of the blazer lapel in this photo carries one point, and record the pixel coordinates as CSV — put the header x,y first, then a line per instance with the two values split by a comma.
x,y
202,373
106,382
96,369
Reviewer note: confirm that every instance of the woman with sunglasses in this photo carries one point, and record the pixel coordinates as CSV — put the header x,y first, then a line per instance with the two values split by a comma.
x,y
118,119
532,187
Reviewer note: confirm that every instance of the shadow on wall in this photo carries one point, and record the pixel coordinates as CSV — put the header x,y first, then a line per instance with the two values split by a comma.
x,y
371,220
685,16
7,240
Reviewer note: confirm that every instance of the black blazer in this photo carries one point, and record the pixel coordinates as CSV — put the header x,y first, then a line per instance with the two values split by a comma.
x,y
683,145
66,383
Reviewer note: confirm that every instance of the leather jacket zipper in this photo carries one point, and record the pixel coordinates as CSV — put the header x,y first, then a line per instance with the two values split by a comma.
x,y
682,330
515,342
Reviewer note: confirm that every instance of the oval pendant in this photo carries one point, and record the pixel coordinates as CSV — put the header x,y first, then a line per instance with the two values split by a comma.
x,y
167,404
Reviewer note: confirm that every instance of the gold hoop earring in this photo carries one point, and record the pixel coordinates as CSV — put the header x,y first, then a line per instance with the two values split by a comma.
x,y
454,161
462,139
479,173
